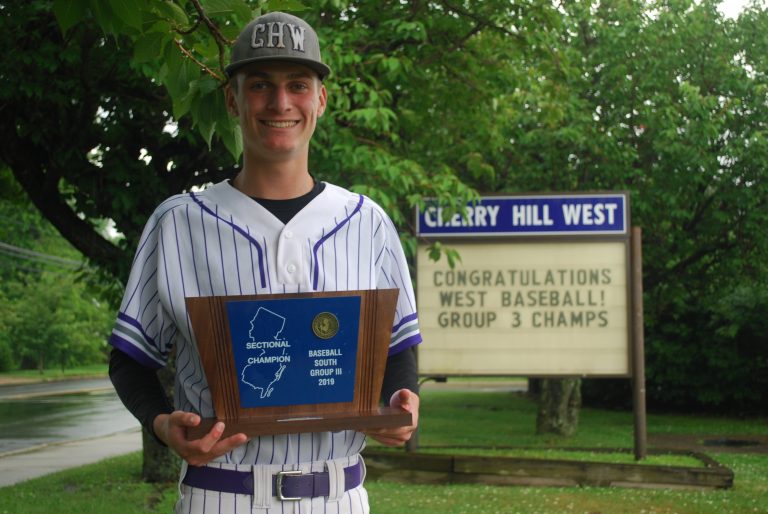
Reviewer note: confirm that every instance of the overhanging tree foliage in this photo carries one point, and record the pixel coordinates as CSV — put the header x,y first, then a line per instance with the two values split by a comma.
x,y
664,99
77,119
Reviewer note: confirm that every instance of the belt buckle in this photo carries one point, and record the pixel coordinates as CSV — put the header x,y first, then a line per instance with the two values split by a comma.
x,y
279,485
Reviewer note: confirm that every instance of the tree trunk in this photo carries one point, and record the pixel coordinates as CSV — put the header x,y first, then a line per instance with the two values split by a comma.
x,y
161,464
559,404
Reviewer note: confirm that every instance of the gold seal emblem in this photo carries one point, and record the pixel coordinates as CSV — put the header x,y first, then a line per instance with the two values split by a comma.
x,y
325,325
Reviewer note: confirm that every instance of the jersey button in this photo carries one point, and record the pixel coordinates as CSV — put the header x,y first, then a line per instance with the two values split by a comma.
x,y
291,268
288,234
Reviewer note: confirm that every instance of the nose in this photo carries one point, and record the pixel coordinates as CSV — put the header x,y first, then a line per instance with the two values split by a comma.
x,y
279,101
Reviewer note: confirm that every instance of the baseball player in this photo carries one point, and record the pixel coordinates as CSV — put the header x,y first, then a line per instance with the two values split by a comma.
x,y
270,229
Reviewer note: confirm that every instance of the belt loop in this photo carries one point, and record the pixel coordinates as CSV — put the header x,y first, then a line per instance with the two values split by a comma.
x,y
262,487
182,474
336,479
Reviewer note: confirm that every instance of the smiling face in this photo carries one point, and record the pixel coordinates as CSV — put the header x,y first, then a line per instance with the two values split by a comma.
x,y
278,104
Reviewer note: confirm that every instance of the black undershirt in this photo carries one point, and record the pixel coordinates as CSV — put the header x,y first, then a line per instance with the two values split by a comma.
x,y
140,390
285,210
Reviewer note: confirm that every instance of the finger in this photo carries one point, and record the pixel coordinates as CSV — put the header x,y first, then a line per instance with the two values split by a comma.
x,y
405,396
185,419
389,440
228,444
401,434
399,398
209,440
200,455
405,399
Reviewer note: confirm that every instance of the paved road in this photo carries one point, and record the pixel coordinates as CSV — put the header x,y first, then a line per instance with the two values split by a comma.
x,y
40,414
48,427
46,459
19,391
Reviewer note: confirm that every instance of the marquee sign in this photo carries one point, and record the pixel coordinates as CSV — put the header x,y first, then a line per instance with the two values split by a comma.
x,y
542,287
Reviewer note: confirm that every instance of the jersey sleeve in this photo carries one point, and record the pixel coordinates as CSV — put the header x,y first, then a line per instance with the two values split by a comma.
x,y
143,329
393,272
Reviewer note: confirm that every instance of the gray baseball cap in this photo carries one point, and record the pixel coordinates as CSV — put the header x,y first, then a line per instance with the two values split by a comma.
x,y
277,36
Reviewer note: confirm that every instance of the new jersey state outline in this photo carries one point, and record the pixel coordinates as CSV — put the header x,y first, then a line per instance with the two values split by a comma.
x,y
264,370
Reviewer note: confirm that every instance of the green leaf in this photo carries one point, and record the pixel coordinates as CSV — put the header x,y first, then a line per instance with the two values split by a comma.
x,y
173,12
69,12
182,104
104,16
214,7
243,11
232,137
285,5
129,11
180,77
238,7
453,257
208,112
434,251
148,46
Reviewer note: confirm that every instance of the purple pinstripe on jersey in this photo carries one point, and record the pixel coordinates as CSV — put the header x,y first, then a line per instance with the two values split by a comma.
x,y
326,236
241,231
192,247
221,252
205,248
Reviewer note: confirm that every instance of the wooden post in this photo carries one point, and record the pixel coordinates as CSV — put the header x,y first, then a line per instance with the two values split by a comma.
x,y
638,345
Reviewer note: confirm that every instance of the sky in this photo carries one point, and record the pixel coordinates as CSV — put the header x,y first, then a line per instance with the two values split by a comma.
x,y
731,8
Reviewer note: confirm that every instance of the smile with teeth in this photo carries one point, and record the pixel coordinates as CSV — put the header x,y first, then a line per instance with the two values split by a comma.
x,y
280,124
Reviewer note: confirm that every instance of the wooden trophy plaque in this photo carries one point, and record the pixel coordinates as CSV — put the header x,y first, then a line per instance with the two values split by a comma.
x,y
293,363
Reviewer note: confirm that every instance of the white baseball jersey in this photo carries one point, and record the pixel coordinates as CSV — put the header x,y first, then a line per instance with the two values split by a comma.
x,y
221,242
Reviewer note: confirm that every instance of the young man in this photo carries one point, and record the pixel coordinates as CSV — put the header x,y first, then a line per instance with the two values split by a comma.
x,y
270,229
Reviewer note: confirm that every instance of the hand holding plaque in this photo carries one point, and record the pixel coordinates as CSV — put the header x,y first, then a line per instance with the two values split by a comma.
x,y
291,363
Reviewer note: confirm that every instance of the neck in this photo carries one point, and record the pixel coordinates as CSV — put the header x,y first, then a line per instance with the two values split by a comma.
x,y
274,181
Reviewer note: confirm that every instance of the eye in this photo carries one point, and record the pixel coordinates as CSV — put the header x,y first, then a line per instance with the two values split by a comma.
x,y
258,85
299,86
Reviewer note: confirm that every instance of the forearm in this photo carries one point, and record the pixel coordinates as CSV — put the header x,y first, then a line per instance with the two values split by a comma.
x,y
401,373
139,389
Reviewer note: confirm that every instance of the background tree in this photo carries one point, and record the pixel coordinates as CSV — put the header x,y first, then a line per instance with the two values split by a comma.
x,y
676,95
49,316
664,99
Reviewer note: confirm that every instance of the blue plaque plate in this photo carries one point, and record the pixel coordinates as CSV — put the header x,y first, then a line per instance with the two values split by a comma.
x,y
294,351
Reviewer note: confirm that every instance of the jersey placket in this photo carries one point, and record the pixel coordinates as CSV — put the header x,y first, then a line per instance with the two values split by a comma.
x,y
291,265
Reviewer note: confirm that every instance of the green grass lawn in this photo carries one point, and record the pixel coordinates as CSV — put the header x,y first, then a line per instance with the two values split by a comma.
x,y
93,370
456,419
112,486
493,419
626,457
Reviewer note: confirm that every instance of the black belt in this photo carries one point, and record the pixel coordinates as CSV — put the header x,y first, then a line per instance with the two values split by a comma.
x,y
286,485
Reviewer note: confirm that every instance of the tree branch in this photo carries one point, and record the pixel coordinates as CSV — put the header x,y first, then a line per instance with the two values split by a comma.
x,y
222,42
30,174
205,68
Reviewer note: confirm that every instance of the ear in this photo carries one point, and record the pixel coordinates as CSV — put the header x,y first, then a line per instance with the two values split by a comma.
x,y
323,100
230,98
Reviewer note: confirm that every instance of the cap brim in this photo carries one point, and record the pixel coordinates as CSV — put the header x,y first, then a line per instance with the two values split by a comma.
x,y
321,69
